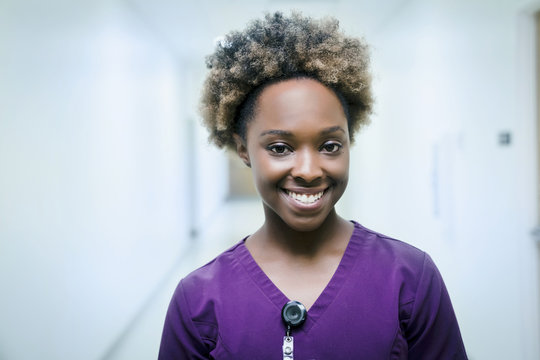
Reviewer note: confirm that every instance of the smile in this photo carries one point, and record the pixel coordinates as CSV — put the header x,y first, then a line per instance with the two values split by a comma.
x,y
305,198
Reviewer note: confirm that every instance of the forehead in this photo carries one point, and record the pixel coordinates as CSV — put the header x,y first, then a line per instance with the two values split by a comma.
x,y
298,104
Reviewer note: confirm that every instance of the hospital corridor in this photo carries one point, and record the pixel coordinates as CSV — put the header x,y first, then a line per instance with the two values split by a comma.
x,y
110,192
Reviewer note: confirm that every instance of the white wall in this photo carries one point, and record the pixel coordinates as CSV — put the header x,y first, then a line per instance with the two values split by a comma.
x,y
92,175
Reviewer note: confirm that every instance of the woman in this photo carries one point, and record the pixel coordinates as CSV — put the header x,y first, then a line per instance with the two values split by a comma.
x,y
288,94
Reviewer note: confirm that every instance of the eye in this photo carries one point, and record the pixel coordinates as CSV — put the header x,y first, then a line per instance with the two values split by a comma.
x,y
279,149
331,147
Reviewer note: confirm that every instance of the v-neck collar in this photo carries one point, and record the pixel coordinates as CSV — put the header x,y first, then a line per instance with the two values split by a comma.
x,y
278,298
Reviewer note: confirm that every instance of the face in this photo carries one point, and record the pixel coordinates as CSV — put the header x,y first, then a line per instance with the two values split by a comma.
x,y
297,145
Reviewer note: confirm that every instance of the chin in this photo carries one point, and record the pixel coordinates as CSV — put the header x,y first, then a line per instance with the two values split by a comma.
x,y
305,225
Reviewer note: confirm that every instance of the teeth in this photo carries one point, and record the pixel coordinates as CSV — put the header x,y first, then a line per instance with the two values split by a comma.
x,y
305,199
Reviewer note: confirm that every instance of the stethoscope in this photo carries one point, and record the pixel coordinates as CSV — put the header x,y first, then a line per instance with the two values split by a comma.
x,y
293,315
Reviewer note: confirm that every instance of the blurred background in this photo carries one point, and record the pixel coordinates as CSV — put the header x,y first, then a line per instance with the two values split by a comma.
x,y
109,192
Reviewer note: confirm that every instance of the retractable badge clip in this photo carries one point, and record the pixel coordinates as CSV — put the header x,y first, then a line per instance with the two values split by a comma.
x,y
293,315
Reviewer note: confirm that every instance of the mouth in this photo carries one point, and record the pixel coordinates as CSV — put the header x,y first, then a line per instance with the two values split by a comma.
x,y
304,198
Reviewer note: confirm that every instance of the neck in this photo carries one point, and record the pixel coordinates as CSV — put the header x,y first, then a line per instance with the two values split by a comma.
x,y
278,234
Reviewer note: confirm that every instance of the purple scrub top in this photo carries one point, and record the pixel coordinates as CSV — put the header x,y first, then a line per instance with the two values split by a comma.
x,y
386,300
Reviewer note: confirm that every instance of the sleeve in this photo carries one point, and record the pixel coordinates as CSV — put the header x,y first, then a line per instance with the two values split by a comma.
x,y
181,339
432,331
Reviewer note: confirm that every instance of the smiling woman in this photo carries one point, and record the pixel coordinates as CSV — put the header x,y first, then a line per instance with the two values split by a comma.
x,y
298,148
288,94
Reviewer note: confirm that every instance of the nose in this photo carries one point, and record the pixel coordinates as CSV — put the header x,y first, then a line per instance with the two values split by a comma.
x,y
307,167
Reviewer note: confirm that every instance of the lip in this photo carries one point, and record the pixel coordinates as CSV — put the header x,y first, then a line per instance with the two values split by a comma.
x,y
305,191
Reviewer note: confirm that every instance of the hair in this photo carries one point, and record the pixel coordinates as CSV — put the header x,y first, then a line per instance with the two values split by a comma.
x,y
275,49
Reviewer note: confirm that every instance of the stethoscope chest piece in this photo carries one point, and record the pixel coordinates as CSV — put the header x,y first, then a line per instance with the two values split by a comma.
x,y
293,315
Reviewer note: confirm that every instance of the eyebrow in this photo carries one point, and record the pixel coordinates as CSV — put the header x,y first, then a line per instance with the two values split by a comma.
x,y
288,133
276,132
332,129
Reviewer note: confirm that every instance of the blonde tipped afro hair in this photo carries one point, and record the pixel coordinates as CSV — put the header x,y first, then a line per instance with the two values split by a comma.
x,y
278,48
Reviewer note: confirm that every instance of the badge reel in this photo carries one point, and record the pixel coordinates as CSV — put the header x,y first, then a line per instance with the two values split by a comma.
x,y
293,315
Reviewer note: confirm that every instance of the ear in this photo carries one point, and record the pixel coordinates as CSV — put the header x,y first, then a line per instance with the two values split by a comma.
x,y
241,149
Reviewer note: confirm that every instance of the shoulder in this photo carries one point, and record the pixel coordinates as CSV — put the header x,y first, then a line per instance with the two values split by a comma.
x,y
390,251
426,316
395,263
215,273
192,311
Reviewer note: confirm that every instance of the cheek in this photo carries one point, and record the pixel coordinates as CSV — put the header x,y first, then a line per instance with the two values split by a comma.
x,y
268,171
339,170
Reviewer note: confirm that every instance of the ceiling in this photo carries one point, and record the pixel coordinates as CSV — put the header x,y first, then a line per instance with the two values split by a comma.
x,y
191,27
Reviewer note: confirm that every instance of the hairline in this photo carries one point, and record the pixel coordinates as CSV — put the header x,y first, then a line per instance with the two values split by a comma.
x,y
253,100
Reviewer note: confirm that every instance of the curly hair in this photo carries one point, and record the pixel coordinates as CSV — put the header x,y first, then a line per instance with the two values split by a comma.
x,y
278,48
